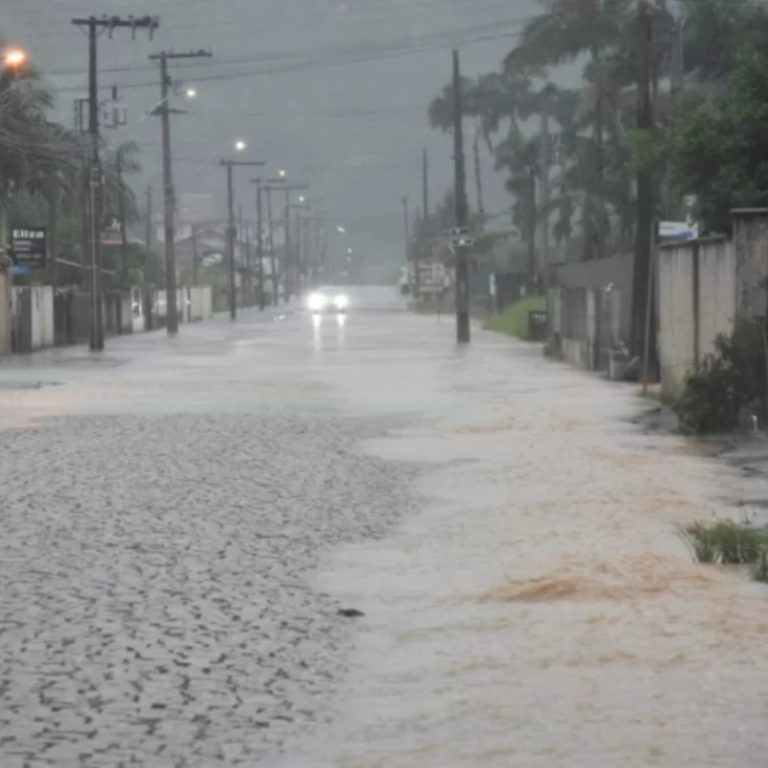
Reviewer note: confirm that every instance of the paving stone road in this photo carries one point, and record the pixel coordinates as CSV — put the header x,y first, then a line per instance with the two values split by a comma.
x,y
156,606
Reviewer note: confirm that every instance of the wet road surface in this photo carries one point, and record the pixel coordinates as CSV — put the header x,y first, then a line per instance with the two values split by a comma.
x,y
183,520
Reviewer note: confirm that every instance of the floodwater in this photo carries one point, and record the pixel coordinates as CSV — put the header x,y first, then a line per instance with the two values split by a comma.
x,y
542,610
538,608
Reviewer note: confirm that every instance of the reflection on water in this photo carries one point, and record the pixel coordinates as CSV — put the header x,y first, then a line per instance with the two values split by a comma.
x,y
322,326
317,325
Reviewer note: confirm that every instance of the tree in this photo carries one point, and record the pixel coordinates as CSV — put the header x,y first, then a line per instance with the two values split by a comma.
x,y
718,149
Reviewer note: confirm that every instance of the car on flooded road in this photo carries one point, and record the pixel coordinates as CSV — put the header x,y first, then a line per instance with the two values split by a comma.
x,y
328,301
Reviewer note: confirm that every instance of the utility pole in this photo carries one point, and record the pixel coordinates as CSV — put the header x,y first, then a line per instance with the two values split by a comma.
x,y
425,230
248,274
291,265
533,267
94,27
272,258
406,228
147,259
478,174
121,201
299,246
164,110
288,269
195,258
232,229
462,257
544,193
259,243
642,328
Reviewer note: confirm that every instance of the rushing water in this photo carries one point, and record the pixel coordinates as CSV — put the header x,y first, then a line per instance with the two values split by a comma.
x,y
543,609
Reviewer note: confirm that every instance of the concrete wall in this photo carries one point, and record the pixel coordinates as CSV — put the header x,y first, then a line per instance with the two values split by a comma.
x,y
750,237
200,305
611,276
5,309
697,302
33,327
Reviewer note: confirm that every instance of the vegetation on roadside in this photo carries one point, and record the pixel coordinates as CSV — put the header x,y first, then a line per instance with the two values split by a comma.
x,y
729,384
513,321
729,543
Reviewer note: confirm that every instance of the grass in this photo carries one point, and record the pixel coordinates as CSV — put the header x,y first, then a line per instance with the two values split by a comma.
x,y
513,321
728,543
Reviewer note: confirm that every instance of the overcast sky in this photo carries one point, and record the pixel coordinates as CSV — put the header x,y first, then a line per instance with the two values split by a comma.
x,y
335,91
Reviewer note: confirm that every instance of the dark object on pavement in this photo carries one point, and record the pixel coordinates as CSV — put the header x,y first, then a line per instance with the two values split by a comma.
x,y
350,613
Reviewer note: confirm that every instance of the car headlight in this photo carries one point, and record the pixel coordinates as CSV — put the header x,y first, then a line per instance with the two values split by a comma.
x,y
317,302
341,302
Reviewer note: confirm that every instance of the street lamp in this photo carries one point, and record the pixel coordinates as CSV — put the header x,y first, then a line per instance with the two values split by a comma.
x,y
240,145
191,93
282,174
15,58
341,230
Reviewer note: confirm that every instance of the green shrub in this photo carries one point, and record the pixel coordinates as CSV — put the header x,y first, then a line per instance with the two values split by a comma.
x,y
727,543
514,319
761,571
731,380
701,542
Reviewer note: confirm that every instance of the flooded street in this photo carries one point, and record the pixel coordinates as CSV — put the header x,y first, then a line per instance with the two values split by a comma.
x,y
509,535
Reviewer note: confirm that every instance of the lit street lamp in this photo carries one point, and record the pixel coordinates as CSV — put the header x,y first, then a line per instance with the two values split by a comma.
x,y
240,146
15,58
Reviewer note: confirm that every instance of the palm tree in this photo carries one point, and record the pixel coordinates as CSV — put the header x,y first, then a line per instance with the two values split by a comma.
x,y
567,30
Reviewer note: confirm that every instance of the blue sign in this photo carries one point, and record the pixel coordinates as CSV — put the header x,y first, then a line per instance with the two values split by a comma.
x,y
21,269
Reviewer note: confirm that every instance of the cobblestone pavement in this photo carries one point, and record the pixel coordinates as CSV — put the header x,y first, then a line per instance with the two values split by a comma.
x,y
156,606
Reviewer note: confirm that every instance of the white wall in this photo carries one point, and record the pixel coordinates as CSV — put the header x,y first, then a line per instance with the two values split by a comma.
x,y
201,303
717,293
689,325
5,312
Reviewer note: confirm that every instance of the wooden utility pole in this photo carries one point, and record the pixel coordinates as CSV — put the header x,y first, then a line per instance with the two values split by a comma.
x,y
147,298
423,246
406,229
642,327
232,229
259,244
169,196
121,213
263,185
461,214
94,26
533,265
478,175
195,258
272,257
544,194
